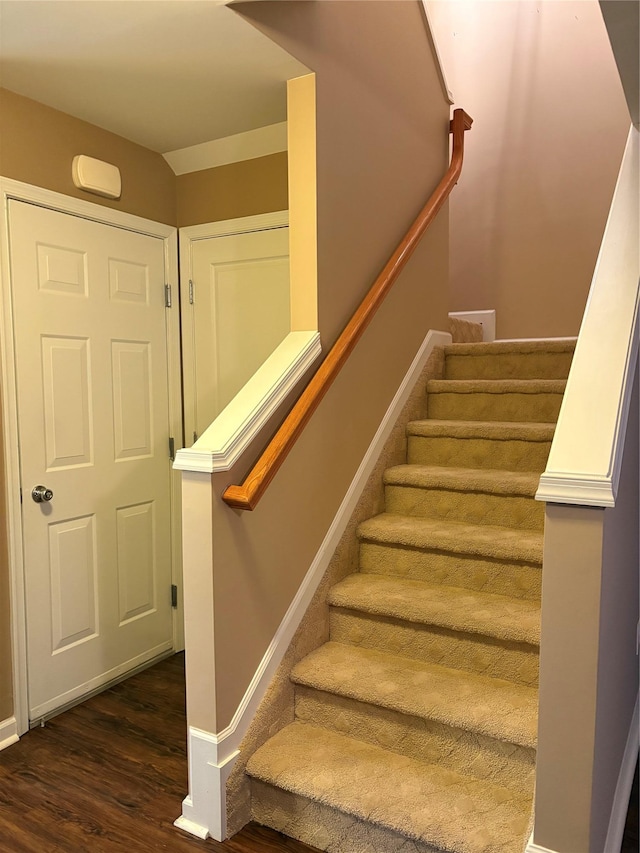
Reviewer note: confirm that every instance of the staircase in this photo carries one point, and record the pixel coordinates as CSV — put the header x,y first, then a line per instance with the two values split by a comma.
x,y
415,725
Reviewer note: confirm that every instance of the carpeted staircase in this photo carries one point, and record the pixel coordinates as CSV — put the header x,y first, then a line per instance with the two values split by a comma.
x,y
415,725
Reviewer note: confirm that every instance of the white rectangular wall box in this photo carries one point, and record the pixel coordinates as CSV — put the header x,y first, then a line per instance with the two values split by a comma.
x,y
96,177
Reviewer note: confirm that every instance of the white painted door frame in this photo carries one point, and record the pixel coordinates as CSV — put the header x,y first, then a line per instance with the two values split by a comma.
x,y
10,189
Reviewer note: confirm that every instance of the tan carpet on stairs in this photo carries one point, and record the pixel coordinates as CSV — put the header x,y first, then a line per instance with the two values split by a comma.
x,y
414,727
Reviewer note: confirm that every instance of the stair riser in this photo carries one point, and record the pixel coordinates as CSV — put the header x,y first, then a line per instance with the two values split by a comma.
x,y
523,513
516,662
502,577
478,453
323,827
508,366
480,406
424,740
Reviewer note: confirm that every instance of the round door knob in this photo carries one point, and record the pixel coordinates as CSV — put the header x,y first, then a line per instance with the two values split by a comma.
x,y
41,494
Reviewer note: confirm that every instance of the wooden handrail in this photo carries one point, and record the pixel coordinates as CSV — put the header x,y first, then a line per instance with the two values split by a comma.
x,y
249,493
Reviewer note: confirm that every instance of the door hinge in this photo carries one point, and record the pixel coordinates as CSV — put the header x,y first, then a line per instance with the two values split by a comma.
x,y
167,296
172,448
190,292
174,595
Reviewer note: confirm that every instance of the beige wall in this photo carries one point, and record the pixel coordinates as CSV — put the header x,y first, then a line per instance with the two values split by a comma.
x,y
237,189
382,139
550,125
38,144
588,662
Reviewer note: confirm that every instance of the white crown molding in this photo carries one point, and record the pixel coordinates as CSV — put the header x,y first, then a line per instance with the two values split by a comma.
x,y
222,444
586,454
229,149
572,488
220,750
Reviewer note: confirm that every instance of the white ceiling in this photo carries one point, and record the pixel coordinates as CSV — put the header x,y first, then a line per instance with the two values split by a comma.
x,y
167,74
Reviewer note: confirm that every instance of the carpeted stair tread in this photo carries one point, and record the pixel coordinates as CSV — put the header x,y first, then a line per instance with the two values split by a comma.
x,y
488,706
492,430
461,610
496,386
491,481
504,360
424,802
502,543
512,347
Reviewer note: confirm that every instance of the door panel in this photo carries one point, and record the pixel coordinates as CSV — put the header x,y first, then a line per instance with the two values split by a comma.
x,y
241,312
93,410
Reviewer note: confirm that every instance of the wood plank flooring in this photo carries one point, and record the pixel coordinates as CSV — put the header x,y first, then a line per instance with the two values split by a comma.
x,y
109,776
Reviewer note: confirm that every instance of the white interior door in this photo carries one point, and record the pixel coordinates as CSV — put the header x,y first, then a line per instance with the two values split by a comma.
x,y
93,414
240,313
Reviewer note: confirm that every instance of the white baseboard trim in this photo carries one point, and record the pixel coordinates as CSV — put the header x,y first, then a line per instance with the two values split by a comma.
x,y
211,756
204,810
487,319
625,782
8,732
536,848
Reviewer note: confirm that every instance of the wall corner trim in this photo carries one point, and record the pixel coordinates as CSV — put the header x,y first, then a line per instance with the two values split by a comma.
x,y
211,756
8,732
222,444
620,805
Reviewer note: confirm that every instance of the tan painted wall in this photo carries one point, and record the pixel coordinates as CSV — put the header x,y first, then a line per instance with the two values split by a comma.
x,y
382,139
550,125
239,189
588,663
38,144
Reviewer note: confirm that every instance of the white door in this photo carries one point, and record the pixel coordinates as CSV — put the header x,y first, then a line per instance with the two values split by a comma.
x,y
93,414
240,313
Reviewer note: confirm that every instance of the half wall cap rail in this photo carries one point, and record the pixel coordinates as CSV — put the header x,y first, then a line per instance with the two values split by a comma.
x,y
249,493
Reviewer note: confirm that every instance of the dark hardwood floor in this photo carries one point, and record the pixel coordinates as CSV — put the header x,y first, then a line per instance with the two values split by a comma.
x,y
109,776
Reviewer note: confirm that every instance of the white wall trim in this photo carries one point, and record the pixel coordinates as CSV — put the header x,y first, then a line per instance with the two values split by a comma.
x,y
204,810
487,319
437,55
532,847
229,149
8,732
10,189
584,464
222,748
620,805
222,444
240,225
